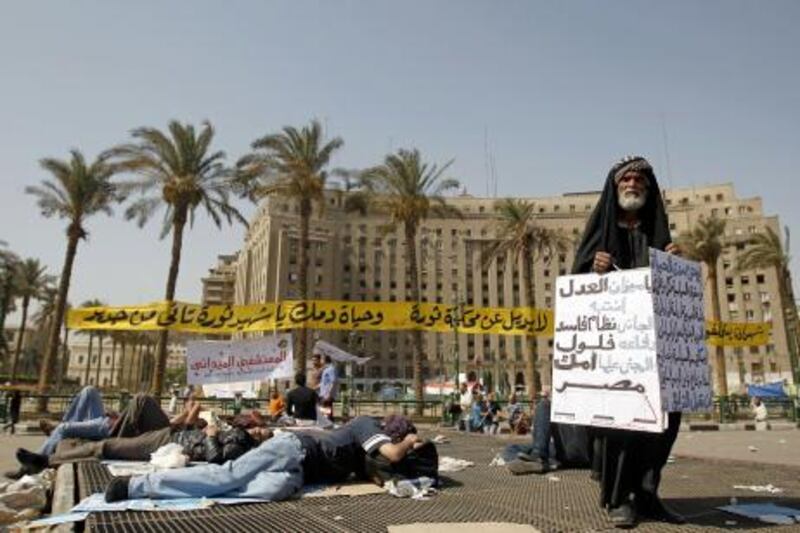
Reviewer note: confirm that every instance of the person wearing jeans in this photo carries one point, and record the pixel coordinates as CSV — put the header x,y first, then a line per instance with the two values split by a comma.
x,y
84,419
280,466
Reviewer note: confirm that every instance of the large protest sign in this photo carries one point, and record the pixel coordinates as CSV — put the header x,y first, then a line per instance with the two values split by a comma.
x,y
315,314
259,359
680,333
605,371
630,345
345,315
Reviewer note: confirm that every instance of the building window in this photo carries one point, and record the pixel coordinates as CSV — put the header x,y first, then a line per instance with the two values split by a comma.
x,y
745,280
731,297
759,278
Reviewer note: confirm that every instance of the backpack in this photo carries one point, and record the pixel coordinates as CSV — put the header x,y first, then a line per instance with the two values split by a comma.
x,y
420,462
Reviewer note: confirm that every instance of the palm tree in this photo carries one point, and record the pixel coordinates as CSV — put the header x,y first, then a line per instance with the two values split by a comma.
x,y
91,303
8,269
77,192
292,164
519,236
409,191
31,280
765,251
178,171
704,243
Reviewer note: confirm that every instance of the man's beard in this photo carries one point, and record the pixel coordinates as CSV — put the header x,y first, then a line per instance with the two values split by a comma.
x,y
632,202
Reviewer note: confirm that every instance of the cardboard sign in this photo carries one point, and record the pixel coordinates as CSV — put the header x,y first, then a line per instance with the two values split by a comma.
x,y
683,366
630,346
259,359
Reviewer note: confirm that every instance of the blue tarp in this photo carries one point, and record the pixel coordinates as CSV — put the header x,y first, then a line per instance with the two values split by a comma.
x,y
767,390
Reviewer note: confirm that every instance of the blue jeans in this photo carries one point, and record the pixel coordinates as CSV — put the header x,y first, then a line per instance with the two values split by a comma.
x,y
272,471
542,431
95,429
87,405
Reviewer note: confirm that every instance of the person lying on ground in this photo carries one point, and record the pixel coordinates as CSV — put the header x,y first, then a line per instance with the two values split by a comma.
x,y
208,444
142,416
280,466
85,418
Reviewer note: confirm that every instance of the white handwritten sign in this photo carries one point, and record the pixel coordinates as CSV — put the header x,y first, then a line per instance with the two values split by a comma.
x,y
604,360
680,333
630,346
261,359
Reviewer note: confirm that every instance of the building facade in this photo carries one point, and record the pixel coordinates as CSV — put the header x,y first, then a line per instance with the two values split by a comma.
x,y
219,285
353,257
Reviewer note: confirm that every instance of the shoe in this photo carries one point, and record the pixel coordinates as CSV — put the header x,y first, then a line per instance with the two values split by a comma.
x,y
521,468
623,517
33,462
117,489
47,426
661,513
526,457
16,474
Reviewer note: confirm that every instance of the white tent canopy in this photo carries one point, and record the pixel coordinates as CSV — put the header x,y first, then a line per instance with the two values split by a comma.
x,y
337,354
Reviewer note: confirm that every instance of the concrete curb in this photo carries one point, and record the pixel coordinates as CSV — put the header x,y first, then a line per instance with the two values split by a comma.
x,y
64,495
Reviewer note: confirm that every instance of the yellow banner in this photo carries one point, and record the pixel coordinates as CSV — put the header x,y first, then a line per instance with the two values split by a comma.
x,y
314,314
737,333
368,316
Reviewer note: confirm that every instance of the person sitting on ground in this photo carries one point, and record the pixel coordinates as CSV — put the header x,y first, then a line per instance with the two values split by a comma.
x,y
490,414
278,468
514,412
208,444
277,407
301,401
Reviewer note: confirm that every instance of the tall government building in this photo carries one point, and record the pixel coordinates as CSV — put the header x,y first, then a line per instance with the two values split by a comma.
x,y
351,258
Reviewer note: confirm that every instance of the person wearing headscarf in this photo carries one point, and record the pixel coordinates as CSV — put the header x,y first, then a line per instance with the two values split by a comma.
x,y
629,218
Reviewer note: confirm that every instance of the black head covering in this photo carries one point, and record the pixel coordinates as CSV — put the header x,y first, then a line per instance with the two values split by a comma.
x,y
603,233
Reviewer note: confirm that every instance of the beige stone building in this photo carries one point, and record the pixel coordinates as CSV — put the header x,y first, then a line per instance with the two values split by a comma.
x,y
353,258
219,285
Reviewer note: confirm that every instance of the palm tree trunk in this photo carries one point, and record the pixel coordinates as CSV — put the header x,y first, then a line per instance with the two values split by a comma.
x,y
530,362
51,353
786,295
5,303
99,358
88,360
62,365
26,300
113,358
302,279
416,334
719,359
177,245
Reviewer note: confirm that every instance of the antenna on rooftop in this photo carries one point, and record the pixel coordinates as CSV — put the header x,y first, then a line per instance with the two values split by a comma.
x,y
486,166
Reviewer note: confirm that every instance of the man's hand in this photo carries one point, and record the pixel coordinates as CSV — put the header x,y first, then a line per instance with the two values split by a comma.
x,y
411,439
211,431
673,249
602,262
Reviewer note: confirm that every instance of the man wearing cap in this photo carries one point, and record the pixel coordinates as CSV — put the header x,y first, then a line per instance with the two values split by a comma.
x,y
629,218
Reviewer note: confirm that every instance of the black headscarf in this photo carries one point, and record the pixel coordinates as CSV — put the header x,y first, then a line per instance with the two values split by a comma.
x,y
603,233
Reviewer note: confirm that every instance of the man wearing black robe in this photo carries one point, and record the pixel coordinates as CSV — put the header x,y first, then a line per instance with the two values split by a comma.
x,y
628,219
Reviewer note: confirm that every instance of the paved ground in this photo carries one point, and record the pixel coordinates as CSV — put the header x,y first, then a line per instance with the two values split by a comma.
x,y
10,443
771,447
566,502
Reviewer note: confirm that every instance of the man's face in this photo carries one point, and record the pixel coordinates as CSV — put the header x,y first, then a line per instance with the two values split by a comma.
x,y
632,191
316,361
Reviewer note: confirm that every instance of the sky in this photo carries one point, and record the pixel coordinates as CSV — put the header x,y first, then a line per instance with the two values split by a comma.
x,y
557,90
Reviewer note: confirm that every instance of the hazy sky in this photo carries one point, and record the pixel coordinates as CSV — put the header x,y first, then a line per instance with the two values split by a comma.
x,y
562,88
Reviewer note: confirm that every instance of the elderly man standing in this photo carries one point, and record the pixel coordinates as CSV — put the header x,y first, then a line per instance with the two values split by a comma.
x,y
629,218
